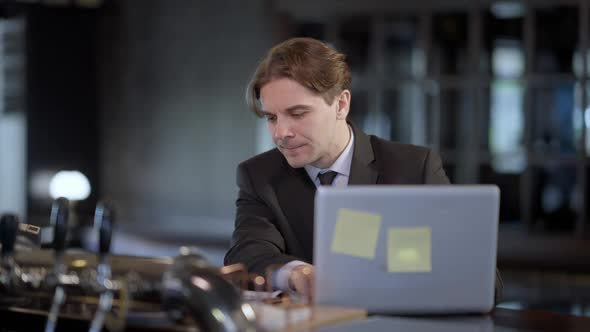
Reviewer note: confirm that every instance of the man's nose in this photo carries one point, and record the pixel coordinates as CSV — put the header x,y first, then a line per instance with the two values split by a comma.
x,y
282,129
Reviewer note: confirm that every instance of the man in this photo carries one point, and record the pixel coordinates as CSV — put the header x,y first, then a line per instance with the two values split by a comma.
x,y
302,88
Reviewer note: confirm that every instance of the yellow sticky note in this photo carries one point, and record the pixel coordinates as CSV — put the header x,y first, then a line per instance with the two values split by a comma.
x,y
356,233
409,249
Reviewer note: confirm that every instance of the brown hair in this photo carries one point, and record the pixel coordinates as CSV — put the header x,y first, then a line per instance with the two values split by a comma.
x,y
307,61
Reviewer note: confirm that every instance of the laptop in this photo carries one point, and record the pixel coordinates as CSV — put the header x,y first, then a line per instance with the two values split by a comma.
x,y
407,249
471,323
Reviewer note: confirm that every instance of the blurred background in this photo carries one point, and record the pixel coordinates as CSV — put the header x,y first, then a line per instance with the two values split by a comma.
x,y
141,102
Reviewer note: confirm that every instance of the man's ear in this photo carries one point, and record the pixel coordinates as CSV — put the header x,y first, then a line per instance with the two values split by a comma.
x,y
343,105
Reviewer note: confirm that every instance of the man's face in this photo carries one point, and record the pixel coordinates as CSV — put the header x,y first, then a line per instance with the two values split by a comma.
x,y
302,124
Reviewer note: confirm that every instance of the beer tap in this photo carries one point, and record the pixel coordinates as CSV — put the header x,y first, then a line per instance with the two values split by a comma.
x,y
59,222
103,226
8,268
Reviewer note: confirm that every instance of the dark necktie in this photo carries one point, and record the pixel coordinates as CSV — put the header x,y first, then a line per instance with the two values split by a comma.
x,y
327,178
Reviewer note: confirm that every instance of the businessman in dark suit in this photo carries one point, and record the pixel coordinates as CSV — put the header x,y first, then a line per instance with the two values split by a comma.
x,y
302,89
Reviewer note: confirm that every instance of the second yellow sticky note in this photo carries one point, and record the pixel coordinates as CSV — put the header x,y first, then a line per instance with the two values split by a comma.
x,y
356,233
409,249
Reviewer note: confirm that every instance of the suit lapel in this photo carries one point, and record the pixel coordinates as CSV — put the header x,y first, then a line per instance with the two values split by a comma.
x,y
296,193
362,169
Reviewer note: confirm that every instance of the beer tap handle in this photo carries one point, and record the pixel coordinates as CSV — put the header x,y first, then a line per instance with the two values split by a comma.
x,y
105,302
59,221
59,298
103,226
8,228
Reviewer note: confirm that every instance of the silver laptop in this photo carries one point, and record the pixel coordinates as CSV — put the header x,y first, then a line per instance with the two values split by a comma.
x,y
407,249
471,323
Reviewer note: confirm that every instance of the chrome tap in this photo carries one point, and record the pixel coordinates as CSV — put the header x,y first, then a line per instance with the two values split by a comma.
x,y
103,226
8,268
57,279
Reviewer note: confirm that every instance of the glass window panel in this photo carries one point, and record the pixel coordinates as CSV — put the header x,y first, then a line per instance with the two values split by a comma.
x,y
580,118
457,132
583,199
449,52
509,184
454,105
556,38
392,101
506,126
553,119
354,39
484,119
432,125
378,124
578,66
503,119
405,109
359,107
502,27
402,55
555,195
577,60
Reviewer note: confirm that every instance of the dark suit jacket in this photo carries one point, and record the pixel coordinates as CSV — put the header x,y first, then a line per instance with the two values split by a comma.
x,y
275,205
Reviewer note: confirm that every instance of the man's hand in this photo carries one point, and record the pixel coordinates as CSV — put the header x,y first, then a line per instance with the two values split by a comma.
x,y
302,280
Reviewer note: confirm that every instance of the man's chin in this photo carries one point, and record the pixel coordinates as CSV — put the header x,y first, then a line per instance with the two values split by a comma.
x,y
295,163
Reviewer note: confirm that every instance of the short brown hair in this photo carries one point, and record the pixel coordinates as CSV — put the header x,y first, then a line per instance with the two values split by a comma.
x,y
309,62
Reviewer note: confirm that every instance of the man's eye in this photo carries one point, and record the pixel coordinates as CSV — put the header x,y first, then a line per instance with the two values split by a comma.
x,y
271,118
297,115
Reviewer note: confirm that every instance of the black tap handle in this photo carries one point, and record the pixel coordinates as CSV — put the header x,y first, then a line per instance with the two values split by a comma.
x,y
8,228
59,222
104,218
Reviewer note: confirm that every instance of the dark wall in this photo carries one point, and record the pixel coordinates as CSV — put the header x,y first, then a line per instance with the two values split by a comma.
x,y
147,99
62,98
174,123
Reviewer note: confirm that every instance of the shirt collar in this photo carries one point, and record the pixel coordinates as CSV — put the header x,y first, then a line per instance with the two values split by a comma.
x,y
341,165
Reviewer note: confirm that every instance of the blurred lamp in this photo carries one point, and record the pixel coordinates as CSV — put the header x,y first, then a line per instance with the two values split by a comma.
x,y
72,185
